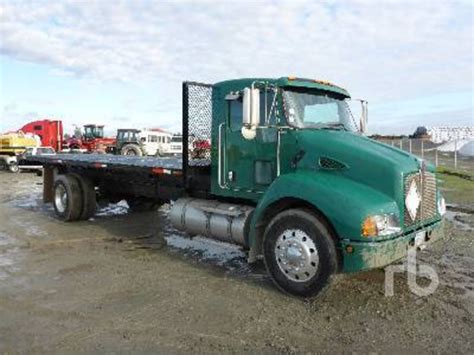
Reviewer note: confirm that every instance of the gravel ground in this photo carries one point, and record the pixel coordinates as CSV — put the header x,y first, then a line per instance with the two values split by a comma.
x,y
129,282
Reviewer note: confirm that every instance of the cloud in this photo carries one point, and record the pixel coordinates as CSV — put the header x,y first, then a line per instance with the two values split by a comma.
x,y
383,43
12,114
381,50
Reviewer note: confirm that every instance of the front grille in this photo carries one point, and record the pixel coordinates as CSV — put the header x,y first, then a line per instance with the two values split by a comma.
x,y
426,183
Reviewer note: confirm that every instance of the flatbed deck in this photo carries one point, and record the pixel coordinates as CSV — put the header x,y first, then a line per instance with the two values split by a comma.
x,y
123,176
108,160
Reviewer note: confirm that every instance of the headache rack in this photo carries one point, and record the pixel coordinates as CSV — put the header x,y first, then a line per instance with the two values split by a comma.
x,y
197,125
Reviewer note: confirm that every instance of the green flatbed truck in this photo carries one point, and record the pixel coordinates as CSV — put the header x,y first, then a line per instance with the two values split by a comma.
x,y
288,176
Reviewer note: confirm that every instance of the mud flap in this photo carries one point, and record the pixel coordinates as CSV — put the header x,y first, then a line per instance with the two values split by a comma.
x,y
48,180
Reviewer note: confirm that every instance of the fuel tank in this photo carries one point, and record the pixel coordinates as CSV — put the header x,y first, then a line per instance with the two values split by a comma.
x,y
213,219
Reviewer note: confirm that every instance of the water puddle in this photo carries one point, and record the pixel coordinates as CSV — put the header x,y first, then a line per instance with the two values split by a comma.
x,y
208,250
461,220
9,256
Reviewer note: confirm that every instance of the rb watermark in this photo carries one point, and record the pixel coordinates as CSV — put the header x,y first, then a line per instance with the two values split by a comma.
x,y
413,271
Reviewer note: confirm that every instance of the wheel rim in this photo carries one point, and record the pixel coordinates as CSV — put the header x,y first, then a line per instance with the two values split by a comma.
x,y
130,152
60,198
296,255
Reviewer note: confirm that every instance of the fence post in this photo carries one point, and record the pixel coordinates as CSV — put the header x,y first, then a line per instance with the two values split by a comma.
x,y
436,156
422,149
455,154
401,143
409,141
393,142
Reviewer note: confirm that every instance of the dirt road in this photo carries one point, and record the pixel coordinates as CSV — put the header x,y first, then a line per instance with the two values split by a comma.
x,y
129,282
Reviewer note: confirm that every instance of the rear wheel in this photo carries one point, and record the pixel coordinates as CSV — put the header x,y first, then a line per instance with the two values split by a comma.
x,y
67,199
89,200
299,252
131,149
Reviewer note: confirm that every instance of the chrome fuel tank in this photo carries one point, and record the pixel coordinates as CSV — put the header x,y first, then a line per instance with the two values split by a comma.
x,y
213,219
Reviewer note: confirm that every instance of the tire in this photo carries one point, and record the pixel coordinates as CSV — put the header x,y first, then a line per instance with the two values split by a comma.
x,y
299,253
131,149
14,168
67,198
89,200
142,205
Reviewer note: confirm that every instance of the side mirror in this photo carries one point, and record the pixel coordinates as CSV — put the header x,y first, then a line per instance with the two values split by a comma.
x,y
251,112
364,118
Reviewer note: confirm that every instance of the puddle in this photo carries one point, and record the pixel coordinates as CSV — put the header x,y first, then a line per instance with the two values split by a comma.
x,y
208,250
9,256
461,220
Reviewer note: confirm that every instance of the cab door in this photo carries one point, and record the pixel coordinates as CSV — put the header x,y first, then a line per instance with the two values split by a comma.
x,y
250,165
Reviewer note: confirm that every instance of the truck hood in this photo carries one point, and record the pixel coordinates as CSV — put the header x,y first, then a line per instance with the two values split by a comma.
x,y
358,158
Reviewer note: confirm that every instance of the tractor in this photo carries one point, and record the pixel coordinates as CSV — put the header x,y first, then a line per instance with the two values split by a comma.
x,y
92,140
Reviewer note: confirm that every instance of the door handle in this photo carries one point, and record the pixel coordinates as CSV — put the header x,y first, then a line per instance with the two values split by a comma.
x,y
220,159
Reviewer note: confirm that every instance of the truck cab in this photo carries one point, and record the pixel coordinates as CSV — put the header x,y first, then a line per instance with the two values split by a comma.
x,y
324,197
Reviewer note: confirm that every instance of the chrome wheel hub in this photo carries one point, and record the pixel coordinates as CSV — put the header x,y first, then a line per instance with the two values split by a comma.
x,y
296,255
60,198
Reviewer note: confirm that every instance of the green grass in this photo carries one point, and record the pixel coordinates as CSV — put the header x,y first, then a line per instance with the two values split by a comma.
x,y
453,172
456,187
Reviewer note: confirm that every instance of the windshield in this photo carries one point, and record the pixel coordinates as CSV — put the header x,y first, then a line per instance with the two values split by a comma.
x,y
316,110
127,135
45,151
94,131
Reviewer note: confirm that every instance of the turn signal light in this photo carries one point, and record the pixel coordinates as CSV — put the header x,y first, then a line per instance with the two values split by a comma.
x,y
369,227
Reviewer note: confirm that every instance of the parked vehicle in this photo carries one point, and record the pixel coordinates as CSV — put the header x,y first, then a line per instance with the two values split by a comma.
x,y
12,144
176,145
50,132
128,142
289,177
92,140
156,142
27,162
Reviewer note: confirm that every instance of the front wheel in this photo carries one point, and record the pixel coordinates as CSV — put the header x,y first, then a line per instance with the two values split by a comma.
x,y
299,252
14,168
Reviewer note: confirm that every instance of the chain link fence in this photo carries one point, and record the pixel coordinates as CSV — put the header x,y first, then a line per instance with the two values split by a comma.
x,y
457,154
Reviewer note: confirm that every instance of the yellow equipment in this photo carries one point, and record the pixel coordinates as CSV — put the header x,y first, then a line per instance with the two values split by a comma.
x,y
16,143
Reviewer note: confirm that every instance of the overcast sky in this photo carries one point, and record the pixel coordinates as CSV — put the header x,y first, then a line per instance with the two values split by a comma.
x,y
122,63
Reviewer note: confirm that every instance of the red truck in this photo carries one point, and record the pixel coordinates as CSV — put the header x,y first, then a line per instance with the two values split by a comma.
x,y
49,131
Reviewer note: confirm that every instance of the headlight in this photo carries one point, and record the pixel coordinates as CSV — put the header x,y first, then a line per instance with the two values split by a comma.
x,y
380,225
441,206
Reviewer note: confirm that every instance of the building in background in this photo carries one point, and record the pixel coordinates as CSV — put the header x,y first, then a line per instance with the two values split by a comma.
x,y
447,134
